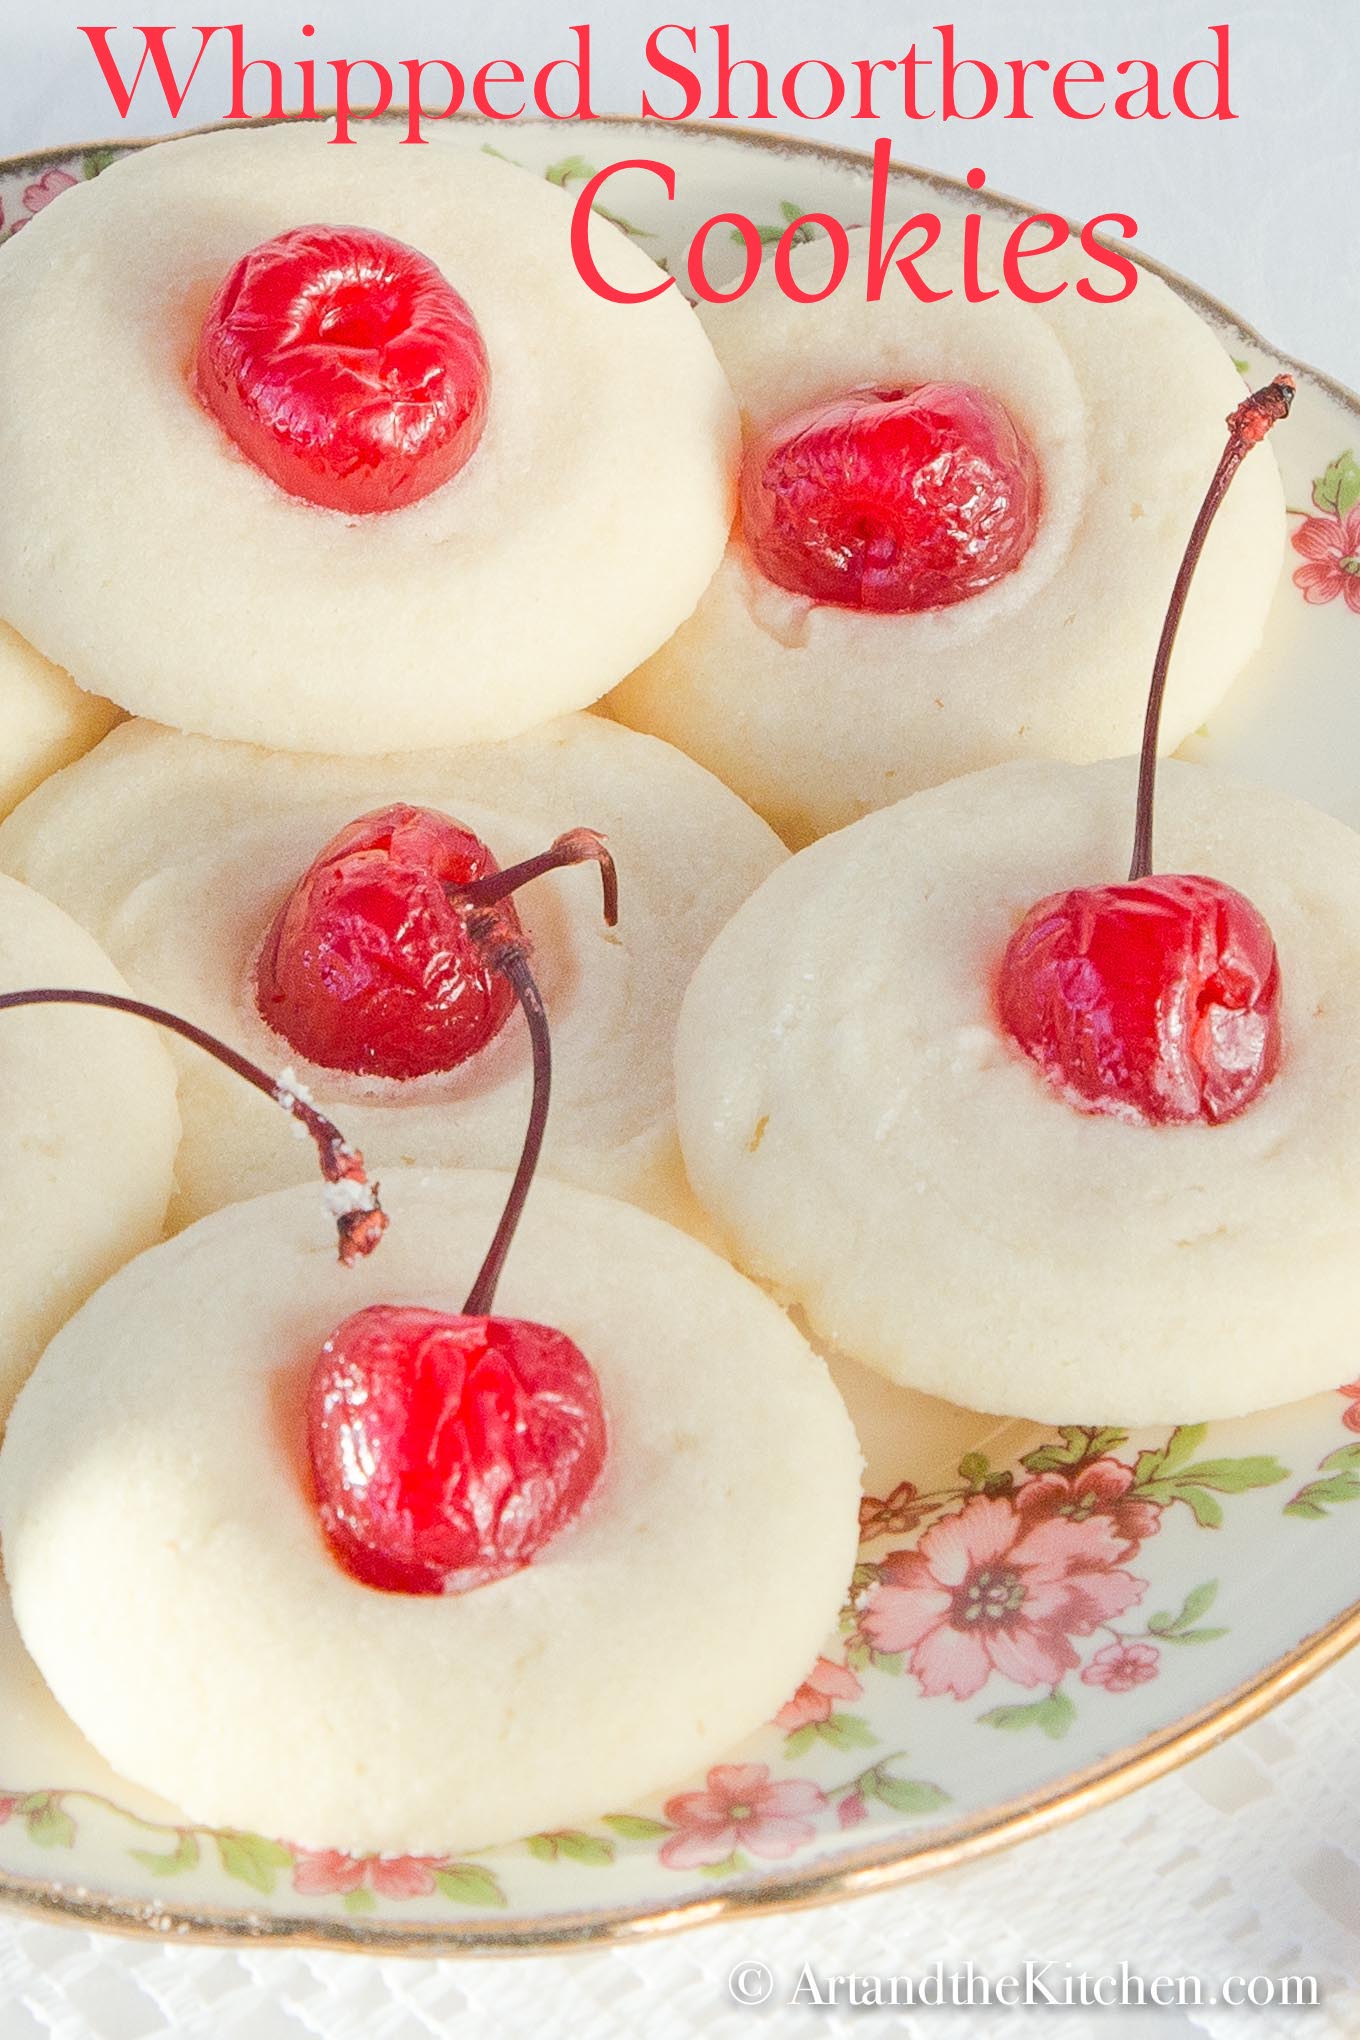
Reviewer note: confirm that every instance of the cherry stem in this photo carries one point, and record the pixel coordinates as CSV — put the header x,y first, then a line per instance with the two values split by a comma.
x,y
577,846
1247,427
515,963
511,956
360,1219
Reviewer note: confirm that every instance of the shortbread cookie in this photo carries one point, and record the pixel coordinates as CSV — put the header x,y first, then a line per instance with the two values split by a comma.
x,y
875,1147
145,553
176,852
155,1512
88,1128
45,719
817,713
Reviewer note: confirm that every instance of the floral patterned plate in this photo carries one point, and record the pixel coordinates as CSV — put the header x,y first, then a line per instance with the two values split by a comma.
x,y
1038,1621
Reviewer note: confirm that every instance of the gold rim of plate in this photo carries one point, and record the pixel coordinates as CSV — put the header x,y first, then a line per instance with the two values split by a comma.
x,y
853,1874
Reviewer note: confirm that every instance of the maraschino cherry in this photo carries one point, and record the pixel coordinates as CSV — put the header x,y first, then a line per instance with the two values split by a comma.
x,y
892,499
352,1200
447,1450
346,367
386,957
1156,1001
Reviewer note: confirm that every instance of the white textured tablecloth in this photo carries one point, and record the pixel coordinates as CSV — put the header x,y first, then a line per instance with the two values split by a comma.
x,y
1244,1862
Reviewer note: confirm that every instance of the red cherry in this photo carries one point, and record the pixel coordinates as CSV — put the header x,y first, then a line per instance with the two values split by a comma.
x,y
892,499
346,367
1157,1001
447,1451
371,966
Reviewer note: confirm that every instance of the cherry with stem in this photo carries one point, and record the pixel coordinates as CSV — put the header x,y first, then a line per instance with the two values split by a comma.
x,y
381,961
447,1450
359,1217
1157,1001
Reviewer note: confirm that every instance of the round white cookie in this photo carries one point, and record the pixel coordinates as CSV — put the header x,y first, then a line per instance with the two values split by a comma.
x,y
45,719
155,1512
141,551
176,852
88,1128
817,714
874,1146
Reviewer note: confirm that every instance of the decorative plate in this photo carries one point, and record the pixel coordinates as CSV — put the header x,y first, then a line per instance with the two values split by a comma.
x,y
1163,1588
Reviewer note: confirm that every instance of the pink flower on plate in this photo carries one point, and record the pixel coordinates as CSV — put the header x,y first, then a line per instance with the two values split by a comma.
x,y
324,1870
852,1810
1351,1415
997,1589
7,1807
740,1809
46,189
1122,1666
1100,1488
1331,546
813,1702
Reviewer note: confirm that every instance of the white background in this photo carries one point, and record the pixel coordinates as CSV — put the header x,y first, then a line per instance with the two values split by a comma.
x,y
1245,1856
